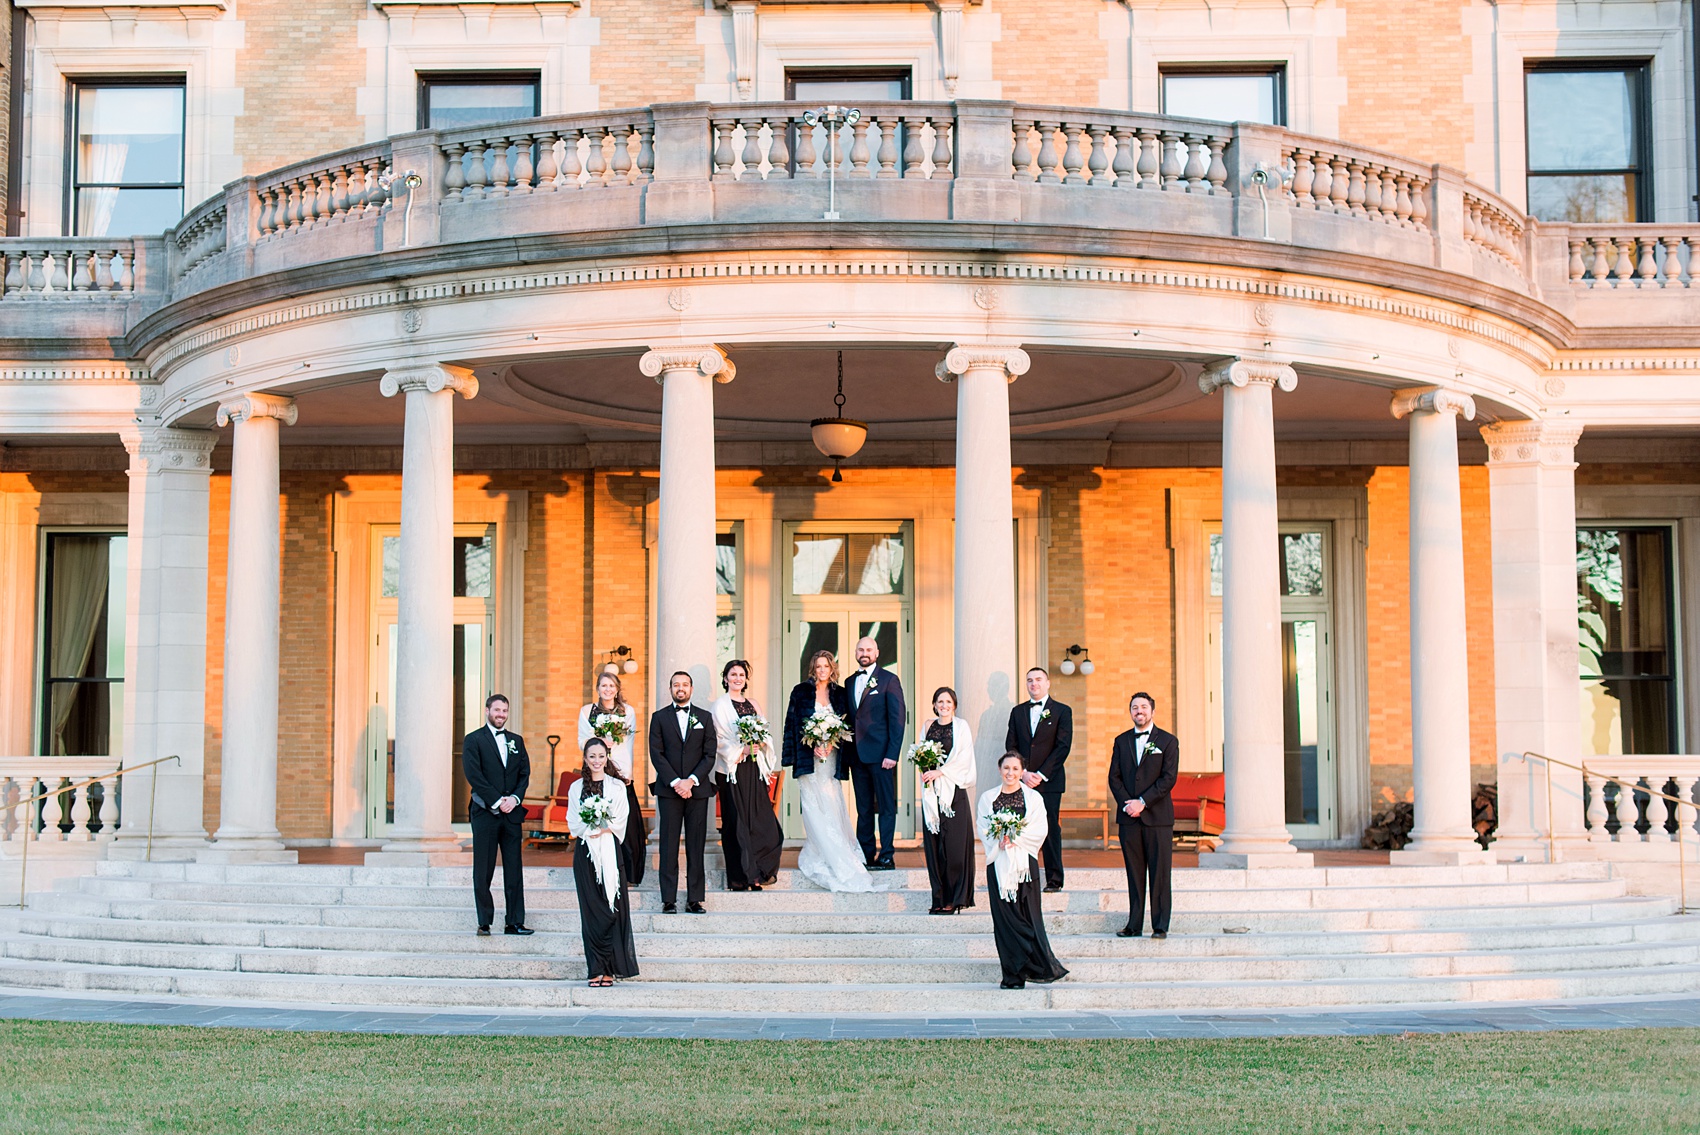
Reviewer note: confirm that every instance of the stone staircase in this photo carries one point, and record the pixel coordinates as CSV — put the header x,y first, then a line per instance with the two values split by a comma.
x,y
391,936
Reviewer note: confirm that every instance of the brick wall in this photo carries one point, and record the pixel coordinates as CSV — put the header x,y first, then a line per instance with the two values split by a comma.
x,y
299,66
1405,100
648,51
1049,52
304,750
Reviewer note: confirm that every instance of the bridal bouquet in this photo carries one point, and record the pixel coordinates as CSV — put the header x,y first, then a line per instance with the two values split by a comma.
x,y
596,811
1002,825
825,729
611,728
753,731
929,756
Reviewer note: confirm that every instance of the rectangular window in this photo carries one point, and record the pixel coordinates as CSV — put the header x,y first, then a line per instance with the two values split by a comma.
x,y
1626,630
860,563
728,601
82,651
848,85
1255,93
473,98
1587,142
126,156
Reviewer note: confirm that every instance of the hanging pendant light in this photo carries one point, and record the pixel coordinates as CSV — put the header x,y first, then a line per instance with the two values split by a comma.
x,y
839,437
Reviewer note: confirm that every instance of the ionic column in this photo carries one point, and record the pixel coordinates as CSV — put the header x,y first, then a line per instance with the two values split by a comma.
x,y
424,708
1440,654
1254,748
1537,687
247,827
985,662
165,674
684,545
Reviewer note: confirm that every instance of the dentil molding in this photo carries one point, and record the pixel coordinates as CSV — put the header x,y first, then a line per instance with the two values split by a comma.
x,y
1244,372
431,379
1433,400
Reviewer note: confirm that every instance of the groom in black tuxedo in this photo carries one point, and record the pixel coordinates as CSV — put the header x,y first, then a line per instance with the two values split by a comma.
x,y
870,756
498,769
1041,729
681,751
1143,767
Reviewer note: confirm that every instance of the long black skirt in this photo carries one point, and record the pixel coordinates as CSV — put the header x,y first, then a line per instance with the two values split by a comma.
x,y
634,849
1019,927
760,839
950,855
608,945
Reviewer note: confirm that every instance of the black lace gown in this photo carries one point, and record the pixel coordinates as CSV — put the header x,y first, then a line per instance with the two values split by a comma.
x,y
609,948
757,839
950,850
1024,950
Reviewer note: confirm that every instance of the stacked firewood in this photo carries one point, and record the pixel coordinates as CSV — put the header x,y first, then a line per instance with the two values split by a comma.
x,y
1484,811
1390,830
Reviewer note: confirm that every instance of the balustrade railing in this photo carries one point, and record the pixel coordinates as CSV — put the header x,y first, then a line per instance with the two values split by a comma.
x,y
1351,181
1633,810
198,237
580,151
332,189
1057,145
891,140
64,814
1633,256
1492,223
66,266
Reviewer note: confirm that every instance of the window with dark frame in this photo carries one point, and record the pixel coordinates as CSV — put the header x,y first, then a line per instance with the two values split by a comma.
x,y
82,648
125,155
847,86
1587,141
1627,639
472,98
1234,93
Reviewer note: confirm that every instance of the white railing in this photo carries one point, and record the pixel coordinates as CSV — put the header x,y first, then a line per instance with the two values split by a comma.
x,y
80,815
1666,821
1057,145
891,140
1633,256
333,189
65,266
1352,181
1490,222
580,151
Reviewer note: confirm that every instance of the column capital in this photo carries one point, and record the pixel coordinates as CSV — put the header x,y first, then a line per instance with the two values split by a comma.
x,y
1433,400
1243,372
708,360
166,447
251,406
964,357
1535,442
431,378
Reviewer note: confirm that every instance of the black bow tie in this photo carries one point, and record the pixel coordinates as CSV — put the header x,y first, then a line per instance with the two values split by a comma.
x,y
1142,733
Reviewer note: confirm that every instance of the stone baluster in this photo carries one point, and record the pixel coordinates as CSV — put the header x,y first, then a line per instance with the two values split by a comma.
x,y
1577,268
524,168
1419,204
13,281
548,165
500,172
322,199
1098,165
61,277
1688,826
80,813
1022,159
1355,189
1150,161
1126,163
475,171
339,193
808,157
645,153
127,277
1174,161
8,808
620,171
1647,268
1048,160
1670,271
1623,271
888,147
942,128
1627,810
1402,200
52,814
80,278
1600,269
1321,183
860,155
360,188
263,214
454,170
291,205
1304,176
571,165
103,270
1390,196
1596,810
596,170
1340,188
751,156
1197,164
35,271
1216,170
724,157
376,194
1072,161
779,148
914,151
1372,191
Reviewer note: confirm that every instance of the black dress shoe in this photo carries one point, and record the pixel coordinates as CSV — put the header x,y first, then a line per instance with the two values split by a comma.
x,y
1012,985
1159,934
1053,890
1128,932
883,864
739,887
669,908
695,908
483,931
518,930
770,881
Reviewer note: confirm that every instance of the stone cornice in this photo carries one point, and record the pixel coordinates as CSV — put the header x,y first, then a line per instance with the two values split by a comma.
x,y
430,378
1538,442
1432,400
964,357
1242,372
167,449
59,374
251,406
708,360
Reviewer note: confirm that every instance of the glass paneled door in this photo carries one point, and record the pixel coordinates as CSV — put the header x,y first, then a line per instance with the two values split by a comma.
x,y
1307,681
845,582
474,669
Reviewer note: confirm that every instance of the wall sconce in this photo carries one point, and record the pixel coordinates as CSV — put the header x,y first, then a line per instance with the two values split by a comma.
x,y
609,666
1068,664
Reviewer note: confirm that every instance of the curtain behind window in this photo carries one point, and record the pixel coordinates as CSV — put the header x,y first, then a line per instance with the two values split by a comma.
x,y
80,576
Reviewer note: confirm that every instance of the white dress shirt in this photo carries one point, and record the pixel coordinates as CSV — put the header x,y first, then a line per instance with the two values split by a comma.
x,y
1035,709
863,677
501,744
684,720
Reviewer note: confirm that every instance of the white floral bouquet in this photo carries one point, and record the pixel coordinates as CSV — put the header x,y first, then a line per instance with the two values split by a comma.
x,y
1004,824
612,728
753,732
596,811
825,729
929,756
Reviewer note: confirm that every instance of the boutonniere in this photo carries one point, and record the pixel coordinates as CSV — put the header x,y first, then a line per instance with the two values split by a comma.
x,y
694,725
512,747
1044,715
873,687
1151,749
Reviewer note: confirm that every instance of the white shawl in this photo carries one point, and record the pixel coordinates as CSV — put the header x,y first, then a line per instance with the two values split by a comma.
x,y
1011,862
956,772
620,754
601,843
728,750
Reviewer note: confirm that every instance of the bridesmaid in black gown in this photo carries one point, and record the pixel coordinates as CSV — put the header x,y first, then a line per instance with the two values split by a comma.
x,y
947,824
604,907
1012,881
750,834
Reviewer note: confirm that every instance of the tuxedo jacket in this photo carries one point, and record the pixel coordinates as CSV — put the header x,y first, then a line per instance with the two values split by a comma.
x,y
674,757
793,754
489,778
1150,779
879,725
1043,750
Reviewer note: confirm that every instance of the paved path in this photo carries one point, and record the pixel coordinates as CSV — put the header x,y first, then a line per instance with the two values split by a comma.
x,y
1651,1012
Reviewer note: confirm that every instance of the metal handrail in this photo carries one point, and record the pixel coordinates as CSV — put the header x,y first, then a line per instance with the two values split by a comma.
x,y
29,820
1624,785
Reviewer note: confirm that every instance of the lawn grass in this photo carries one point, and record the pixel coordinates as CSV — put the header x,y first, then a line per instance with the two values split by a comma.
x,y
123,1078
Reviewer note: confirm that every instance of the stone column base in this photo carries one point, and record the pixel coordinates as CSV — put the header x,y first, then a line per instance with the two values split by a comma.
x,y
1256,860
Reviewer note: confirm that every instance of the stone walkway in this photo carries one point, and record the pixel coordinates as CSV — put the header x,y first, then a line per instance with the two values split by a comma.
x,y
1651,1012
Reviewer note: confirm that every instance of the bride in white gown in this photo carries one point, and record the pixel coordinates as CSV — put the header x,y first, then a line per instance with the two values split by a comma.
x,y
830,857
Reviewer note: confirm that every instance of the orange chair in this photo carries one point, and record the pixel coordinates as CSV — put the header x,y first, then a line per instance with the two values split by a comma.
x,y
546,818
1200,809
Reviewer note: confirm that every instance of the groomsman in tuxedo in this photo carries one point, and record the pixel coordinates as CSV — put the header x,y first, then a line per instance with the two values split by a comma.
x,y
1041,729
681,752
869,759
498,769
1143,768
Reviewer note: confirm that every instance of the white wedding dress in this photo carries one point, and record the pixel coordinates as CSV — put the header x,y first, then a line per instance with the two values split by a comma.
x,y
830,857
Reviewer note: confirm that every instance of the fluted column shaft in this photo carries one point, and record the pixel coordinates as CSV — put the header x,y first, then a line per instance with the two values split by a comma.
x,y
1254,748
424,702
685,523
1440,655
248,777
985,661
